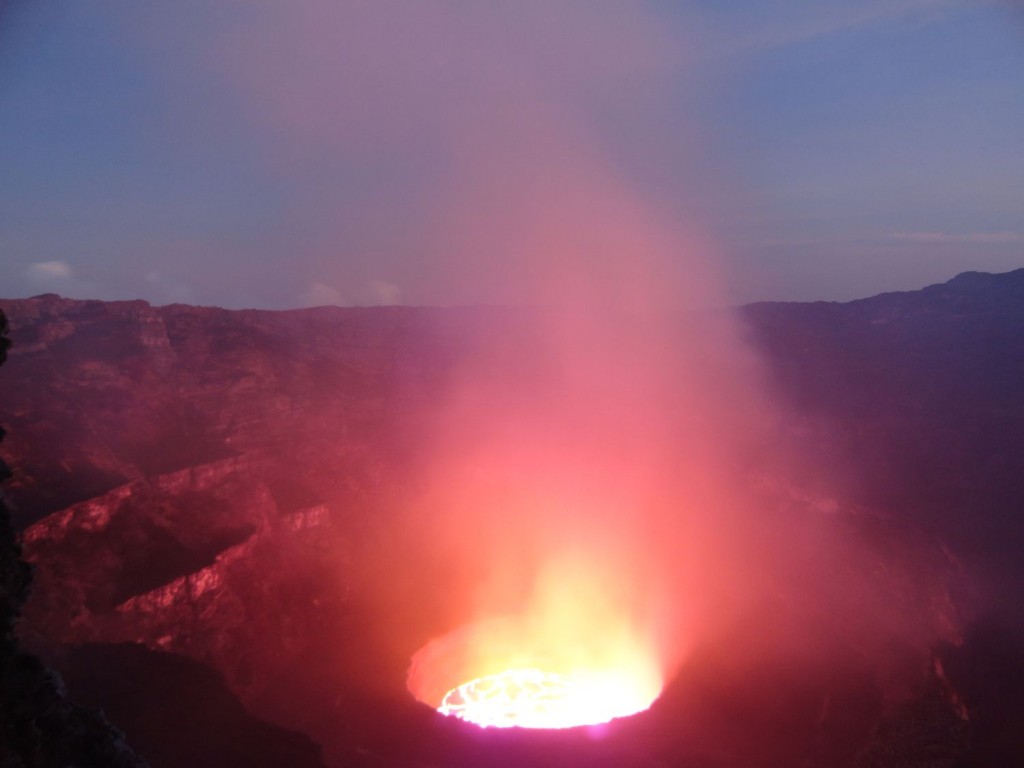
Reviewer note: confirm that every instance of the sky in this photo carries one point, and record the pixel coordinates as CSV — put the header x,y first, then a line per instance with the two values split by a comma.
x,y
274,155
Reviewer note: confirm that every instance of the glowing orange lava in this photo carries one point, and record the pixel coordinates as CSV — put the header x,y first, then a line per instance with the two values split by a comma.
x,y
533,672
531,698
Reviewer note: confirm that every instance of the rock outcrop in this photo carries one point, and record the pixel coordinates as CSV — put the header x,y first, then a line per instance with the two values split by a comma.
x,y
181,712
916,397
39,726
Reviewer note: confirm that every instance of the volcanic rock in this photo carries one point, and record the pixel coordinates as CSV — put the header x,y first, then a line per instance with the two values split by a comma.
x,y
39,725
180,712
207,482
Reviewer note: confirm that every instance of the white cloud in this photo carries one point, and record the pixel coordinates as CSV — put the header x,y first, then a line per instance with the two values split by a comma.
x,y
50,272
802,21
382,292
373,293
58,276
975,238
321,294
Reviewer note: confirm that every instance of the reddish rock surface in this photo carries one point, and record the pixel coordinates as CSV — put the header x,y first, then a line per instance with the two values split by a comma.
x,y
213,483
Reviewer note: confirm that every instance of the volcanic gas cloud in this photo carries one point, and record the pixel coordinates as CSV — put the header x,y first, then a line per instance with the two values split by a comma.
x,y
583,453
576,473
578,522
580,462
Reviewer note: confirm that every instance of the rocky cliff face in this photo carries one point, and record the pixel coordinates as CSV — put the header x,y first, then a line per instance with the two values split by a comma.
x,y
204,509
39,725
122,391
181,712
917,394
212,483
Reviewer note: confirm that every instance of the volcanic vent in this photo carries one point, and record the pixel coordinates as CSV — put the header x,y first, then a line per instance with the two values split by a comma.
x,y
562,511
514,672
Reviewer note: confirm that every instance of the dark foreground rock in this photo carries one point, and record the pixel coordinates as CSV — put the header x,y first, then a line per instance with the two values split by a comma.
x,y
179,712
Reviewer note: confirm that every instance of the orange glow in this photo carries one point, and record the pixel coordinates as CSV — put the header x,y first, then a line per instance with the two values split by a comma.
x,y
581,665
531,698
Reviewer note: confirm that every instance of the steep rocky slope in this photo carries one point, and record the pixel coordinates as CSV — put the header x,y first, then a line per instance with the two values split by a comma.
x,y
916,397
179,712
39,725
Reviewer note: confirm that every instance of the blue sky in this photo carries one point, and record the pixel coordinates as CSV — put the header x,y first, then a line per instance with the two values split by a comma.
x,y
284,154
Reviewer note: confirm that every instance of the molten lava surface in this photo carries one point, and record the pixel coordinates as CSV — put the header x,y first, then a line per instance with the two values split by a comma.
x,y
532,698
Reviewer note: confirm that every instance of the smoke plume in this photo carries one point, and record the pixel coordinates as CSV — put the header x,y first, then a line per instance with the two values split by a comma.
x,y
590,463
